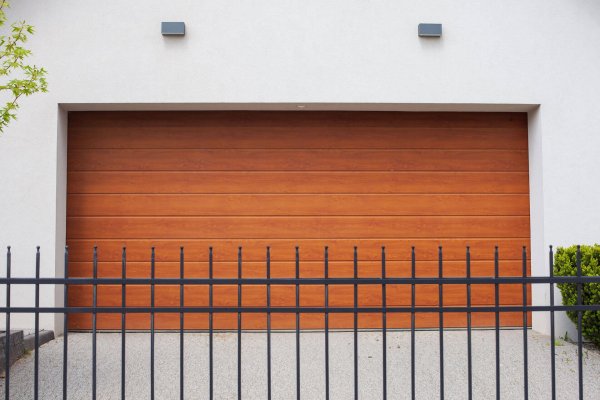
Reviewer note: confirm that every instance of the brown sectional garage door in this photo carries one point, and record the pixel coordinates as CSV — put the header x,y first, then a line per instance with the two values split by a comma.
x,y
281,179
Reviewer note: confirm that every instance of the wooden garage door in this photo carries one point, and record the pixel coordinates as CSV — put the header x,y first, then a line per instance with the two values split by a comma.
x,y
281,179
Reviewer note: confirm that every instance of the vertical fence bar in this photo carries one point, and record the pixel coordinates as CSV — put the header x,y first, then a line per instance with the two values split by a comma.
x,y
497,304
297,324
384,323
579,321
36,340
152,274
525,351
210,324
94,316
469,346
326,257
123,318
65,325
181,323
355,323
239,332
269,394
7,343
412,322
552,327
441,320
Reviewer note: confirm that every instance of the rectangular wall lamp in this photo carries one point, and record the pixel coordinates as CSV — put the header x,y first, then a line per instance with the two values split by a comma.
x,y
172,28
430,30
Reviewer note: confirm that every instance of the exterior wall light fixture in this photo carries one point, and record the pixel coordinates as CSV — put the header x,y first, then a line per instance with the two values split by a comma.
x,y
430,30
172,28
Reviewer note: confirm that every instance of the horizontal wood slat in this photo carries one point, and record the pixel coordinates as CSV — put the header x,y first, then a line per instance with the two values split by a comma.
x,y
327,131
290,137
296,160
284,296
296,130
283,249
296,205
298,182
286,269
287,321
296,227
286,179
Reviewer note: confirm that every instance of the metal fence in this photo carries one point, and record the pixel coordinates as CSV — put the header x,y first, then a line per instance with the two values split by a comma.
x,y
326,281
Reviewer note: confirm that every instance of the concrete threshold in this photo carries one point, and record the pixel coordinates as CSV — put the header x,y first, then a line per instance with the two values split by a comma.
x,y
20,344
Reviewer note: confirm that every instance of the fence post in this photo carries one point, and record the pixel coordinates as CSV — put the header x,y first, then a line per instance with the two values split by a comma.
x,y
384,323
579,323
152,276
552,334
497,304
326,323
297,323
181,324
94,305
210,323
525,354
412,323
7,342
269,323
36,359
239,332
65,324
441,319
355,323
469,347
123,318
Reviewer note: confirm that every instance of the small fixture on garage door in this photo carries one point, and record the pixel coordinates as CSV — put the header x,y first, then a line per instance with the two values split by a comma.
x,y
173,28
430,30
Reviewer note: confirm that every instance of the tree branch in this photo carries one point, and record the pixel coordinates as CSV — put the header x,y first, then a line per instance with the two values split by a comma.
x,y
13,42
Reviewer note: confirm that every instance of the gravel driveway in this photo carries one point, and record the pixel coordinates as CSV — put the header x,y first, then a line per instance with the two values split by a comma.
x,y
312,366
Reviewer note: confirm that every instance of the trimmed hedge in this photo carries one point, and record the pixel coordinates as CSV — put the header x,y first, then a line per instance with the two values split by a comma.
x,y
565,264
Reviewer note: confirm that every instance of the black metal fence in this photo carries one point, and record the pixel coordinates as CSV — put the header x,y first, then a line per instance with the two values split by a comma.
x,y
413,281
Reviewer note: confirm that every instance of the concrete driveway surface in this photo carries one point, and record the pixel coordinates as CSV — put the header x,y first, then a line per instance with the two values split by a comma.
x,y
254,382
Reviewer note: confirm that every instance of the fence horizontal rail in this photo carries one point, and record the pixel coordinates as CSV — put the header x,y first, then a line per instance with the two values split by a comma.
x,y
382,280
508,280
292,310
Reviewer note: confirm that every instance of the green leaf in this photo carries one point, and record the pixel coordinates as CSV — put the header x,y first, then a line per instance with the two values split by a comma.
x,y
20,78
565,264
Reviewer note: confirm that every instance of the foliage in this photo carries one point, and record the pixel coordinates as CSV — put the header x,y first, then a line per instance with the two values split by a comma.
x,y
565,264
19,78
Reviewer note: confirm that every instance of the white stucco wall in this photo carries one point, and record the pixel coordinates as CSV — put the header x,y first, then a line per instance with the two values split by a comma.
x,y
354,54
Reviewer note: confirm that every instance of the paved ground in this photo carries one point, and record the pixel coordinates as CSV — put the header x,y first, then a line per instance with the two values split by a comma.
x,y
312,366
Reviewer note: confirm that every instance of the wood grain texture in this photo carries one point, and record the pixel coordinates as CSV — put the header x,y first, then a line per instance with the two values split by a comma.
x,y
196,250
225,321
292,130
283,296
286,179
193,205
241,227
296,160
286,269
290,182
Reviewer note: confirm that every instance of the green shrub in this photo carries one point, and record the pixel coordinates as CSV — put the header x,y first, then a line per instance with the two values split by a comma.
x,y
565,264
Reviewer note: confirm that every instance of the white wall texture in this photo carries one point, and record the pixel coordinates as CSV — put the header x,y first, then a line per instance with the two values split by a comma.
x,y
352,54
